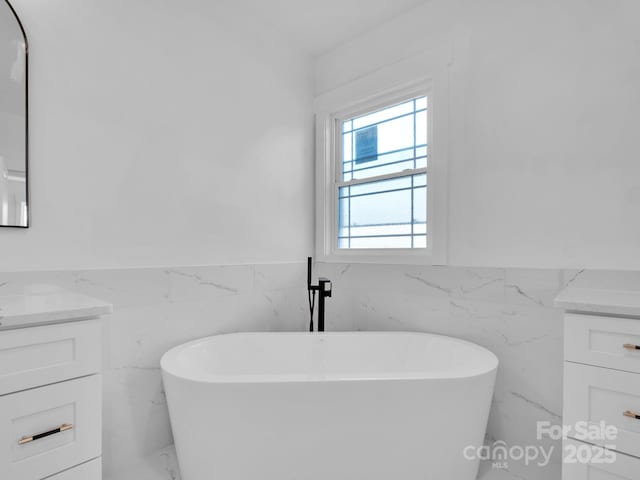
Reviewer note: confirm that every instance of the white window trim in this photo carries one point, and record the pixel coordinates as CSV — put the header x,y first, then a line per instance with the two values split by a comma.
x,y
381,89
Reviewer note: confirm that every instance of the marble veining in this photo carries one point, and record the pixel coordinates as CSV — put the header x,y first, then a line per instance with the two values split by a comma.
x,y
510,311
156,309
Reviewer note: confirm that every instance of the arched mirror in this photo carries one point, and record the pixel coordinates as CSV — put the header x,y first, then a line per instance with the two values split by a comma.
x,y
14,210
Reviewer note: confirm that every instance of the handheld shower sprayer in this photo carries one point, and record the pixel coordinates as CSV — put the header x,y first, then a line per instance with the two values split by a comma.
x,y
311,294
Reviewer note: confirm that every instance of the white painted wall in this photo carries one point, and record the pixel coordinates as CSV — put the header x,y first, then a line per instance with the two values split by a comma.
x,y
163,133
545,95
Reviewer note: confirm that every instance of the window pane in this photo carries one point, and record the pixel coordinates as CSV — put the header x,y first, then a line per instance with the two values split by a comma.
x,y
384,114
343,217
420,205
421,128
383,214
347,148
420,241
386,141
387,163
395,135
382,242
381,186
381,208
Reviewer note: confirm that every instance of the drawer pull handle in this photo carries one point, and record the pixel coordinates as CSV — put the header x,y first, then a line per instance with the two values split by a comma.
x,y
630,346
62,428
631,414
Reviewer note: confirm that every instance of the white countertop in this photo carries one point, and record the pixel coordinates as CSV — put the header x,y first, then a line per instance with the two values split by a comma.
x,y
55,306
594,300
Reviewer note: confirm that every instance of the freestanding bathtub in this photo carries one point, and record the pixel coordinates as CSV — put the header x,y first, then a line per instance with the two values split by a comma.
x,y
328,406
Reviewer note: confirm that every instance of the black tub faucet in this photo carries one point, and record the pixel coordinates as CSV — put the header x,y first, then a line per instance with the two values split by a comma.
x,y
324,290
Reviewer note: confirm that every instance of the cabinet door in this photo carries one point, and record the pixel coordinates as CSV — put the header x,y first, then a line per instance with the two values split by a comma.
x,y
31,357
623,467
602,341
87,471
595,395
49,429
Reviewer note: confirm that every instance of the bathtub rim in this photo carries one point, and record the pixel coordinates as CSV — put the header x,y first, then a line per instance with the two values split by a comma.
x,y
167,361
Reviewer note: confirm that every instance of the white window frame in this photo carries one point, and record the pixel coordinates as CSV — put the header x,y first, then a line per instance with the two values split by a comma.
x,y
360,97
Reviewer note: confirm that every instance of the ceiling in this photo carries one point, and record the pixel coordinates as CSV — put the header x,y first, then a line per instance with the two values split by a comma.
x,y
321,25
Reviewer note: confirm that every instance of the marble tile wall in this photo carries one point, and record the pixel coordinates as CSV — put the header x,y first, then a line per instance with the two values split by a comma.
x,y
154,310
509,311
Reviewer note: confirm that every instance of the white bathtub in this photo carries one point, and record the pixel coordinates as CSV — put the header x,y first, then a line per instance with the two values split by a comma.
x,y
329,406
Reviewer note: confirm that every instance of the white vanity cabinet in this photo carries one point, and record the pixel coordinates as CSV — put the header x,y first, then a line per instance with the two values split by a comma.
x,y
601,382
51,388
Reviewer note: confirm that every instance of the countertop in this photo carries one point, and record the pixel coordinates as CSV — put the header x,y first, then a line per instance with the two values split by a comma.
x,y
594,300
53,306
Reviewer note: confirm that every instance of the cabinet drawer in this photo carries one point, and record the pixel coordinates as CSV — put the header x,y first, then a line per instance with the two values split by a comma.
x,y
25,415
87,471
594,395
601,341
623,467
36,356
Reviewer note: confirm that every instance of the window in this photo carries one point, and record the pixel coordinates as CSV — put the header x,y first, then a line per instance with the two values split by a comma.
x,y
382,178
381,170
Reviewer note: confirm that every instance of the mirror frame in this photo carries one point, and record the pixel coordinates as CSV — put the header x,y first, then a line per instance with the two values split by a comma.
x,y
26,122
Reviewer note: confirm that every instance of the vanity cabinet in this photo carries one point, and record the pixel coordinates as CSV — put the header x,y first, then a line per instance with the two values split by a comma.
x,y
51,398
625,467
87,471
601,382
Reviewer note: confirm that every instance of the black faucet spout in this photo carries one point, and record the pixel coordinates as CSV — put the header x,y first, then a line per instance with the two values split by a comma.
x,y
324,292
323,288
